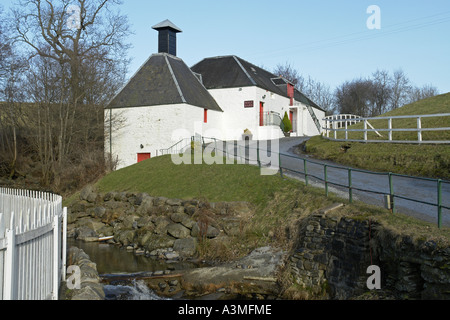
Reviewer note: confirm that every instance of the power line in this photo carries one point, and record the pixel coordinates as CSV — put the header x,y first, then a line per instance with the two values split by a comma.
x,y
362,35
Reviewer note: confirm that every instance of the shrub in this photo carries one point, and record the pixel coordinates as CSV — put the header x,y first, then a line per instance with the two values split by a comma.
x,y
287,123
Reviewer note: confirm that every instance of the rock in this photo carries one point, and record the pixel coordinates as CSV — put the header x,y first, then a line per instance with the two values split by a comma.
x,y
91,288
89,273
178,231
109,196
129,221
110,217
120,196
239,209
146,223
173,202
86,192
160,201
183,218
211,231
145,204
231,226
106,231
190,209
173,283
79,206
90,223
139,251
161,224
171,255
185,247
143,236
155,242
125,237
86,234
99,212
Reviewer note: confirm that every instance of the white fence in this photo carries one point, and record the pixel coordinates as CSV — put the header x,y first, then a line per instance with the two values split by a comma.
x,y
340,123
33,229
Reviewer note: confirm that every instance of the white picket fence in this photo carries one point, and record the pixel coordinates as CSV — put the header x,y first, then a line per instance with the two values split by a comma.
x,y
33,228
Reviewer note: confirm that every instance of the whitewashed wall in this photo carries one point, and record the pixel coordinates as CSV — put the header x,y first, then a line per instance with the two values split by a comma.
x,y
160,127
156,128
236,118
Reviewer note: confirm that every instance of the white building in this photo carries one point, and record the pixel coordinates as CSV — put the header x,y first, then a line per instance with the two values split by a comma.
x,y
219,97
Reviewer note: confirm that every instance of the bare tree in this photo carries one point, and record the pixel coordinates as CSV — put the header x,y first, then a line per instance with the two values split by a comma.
x,y
12,70
400,89
380,92
317,91
419,93
354,97
77,51
288,72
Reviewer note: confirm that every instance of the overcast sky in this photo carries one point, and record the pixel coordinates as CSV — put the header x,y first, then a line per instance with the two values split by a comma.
x,y
328,40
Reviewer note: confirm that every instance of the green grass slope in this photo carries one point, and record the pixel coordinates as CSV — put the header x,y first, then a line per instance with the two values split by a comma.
x,y
426,160
161,177
279,203
434,105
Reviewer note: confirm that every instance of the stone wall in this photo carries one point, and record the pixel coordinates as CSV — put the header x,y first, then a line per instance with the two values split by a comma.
x,y
90,285
156,226
333,253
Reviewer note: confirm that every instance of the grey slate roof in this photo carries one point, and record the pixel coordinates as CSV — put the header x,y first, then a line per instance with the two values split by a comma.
x,y
164,79
166,24
232,71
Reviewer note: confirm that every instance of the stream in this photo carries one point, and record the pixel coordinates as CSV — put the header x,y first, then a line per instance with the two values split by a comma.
x,y
112,259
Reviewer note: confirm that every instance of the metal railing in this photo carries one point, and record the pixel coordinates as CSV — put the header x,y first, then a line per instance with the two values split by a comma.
x,y
242,151
177,148
272,118
338,125
339,120
33,227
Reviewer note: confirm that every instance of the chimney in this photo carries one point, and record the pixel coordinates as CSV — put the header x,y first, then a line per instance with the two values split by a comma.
x,y
167,37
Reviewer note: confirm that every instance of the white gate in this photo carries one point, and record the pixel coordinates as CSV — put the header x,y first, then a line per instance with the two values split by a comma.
x,y
33,227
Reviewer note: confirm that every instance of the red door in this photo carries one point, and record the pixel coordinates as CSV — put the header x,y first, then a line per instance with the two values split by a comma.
x,y
143,156
261,114
291,117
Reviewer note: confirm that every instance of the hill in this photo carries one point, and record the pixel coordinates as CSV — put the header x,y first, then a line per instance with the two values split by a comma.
x,y
434,105
411,159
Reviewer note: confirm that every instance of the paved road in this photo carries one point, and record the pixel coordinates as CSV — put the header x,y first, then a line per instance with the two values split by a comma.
x,y
407,187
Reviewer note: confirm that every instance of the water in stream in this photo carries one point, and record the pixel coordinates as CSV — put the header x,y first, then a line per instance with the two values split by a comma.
x,y
112,259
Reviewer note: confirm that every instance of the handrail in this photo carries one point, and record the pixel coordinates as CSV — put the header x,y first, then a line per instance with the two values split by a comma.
x,y
170,149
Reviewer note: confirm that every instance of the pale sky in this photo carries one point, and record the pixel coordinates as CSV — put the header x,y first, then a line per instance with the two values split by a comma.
x,y
328,40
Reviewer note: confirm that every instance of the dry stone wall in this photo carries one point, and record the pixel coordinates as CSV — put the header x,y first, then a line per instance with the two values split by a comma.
x,y
157,226
333,253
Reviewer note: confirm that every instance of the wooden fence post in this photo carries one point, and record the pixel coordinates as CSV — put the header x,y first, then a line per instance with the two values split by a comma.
x,y
419,129
390,128
365,129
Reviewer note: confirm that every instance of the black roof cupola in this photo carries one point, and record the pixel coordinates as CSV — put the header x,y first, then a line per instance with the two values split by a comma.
x,y
167,39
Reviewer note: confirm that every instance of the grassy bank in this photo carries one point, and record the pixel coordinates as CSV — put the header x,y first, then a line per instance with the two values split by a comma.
x,y
425,160
279,203
434,105
416,160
